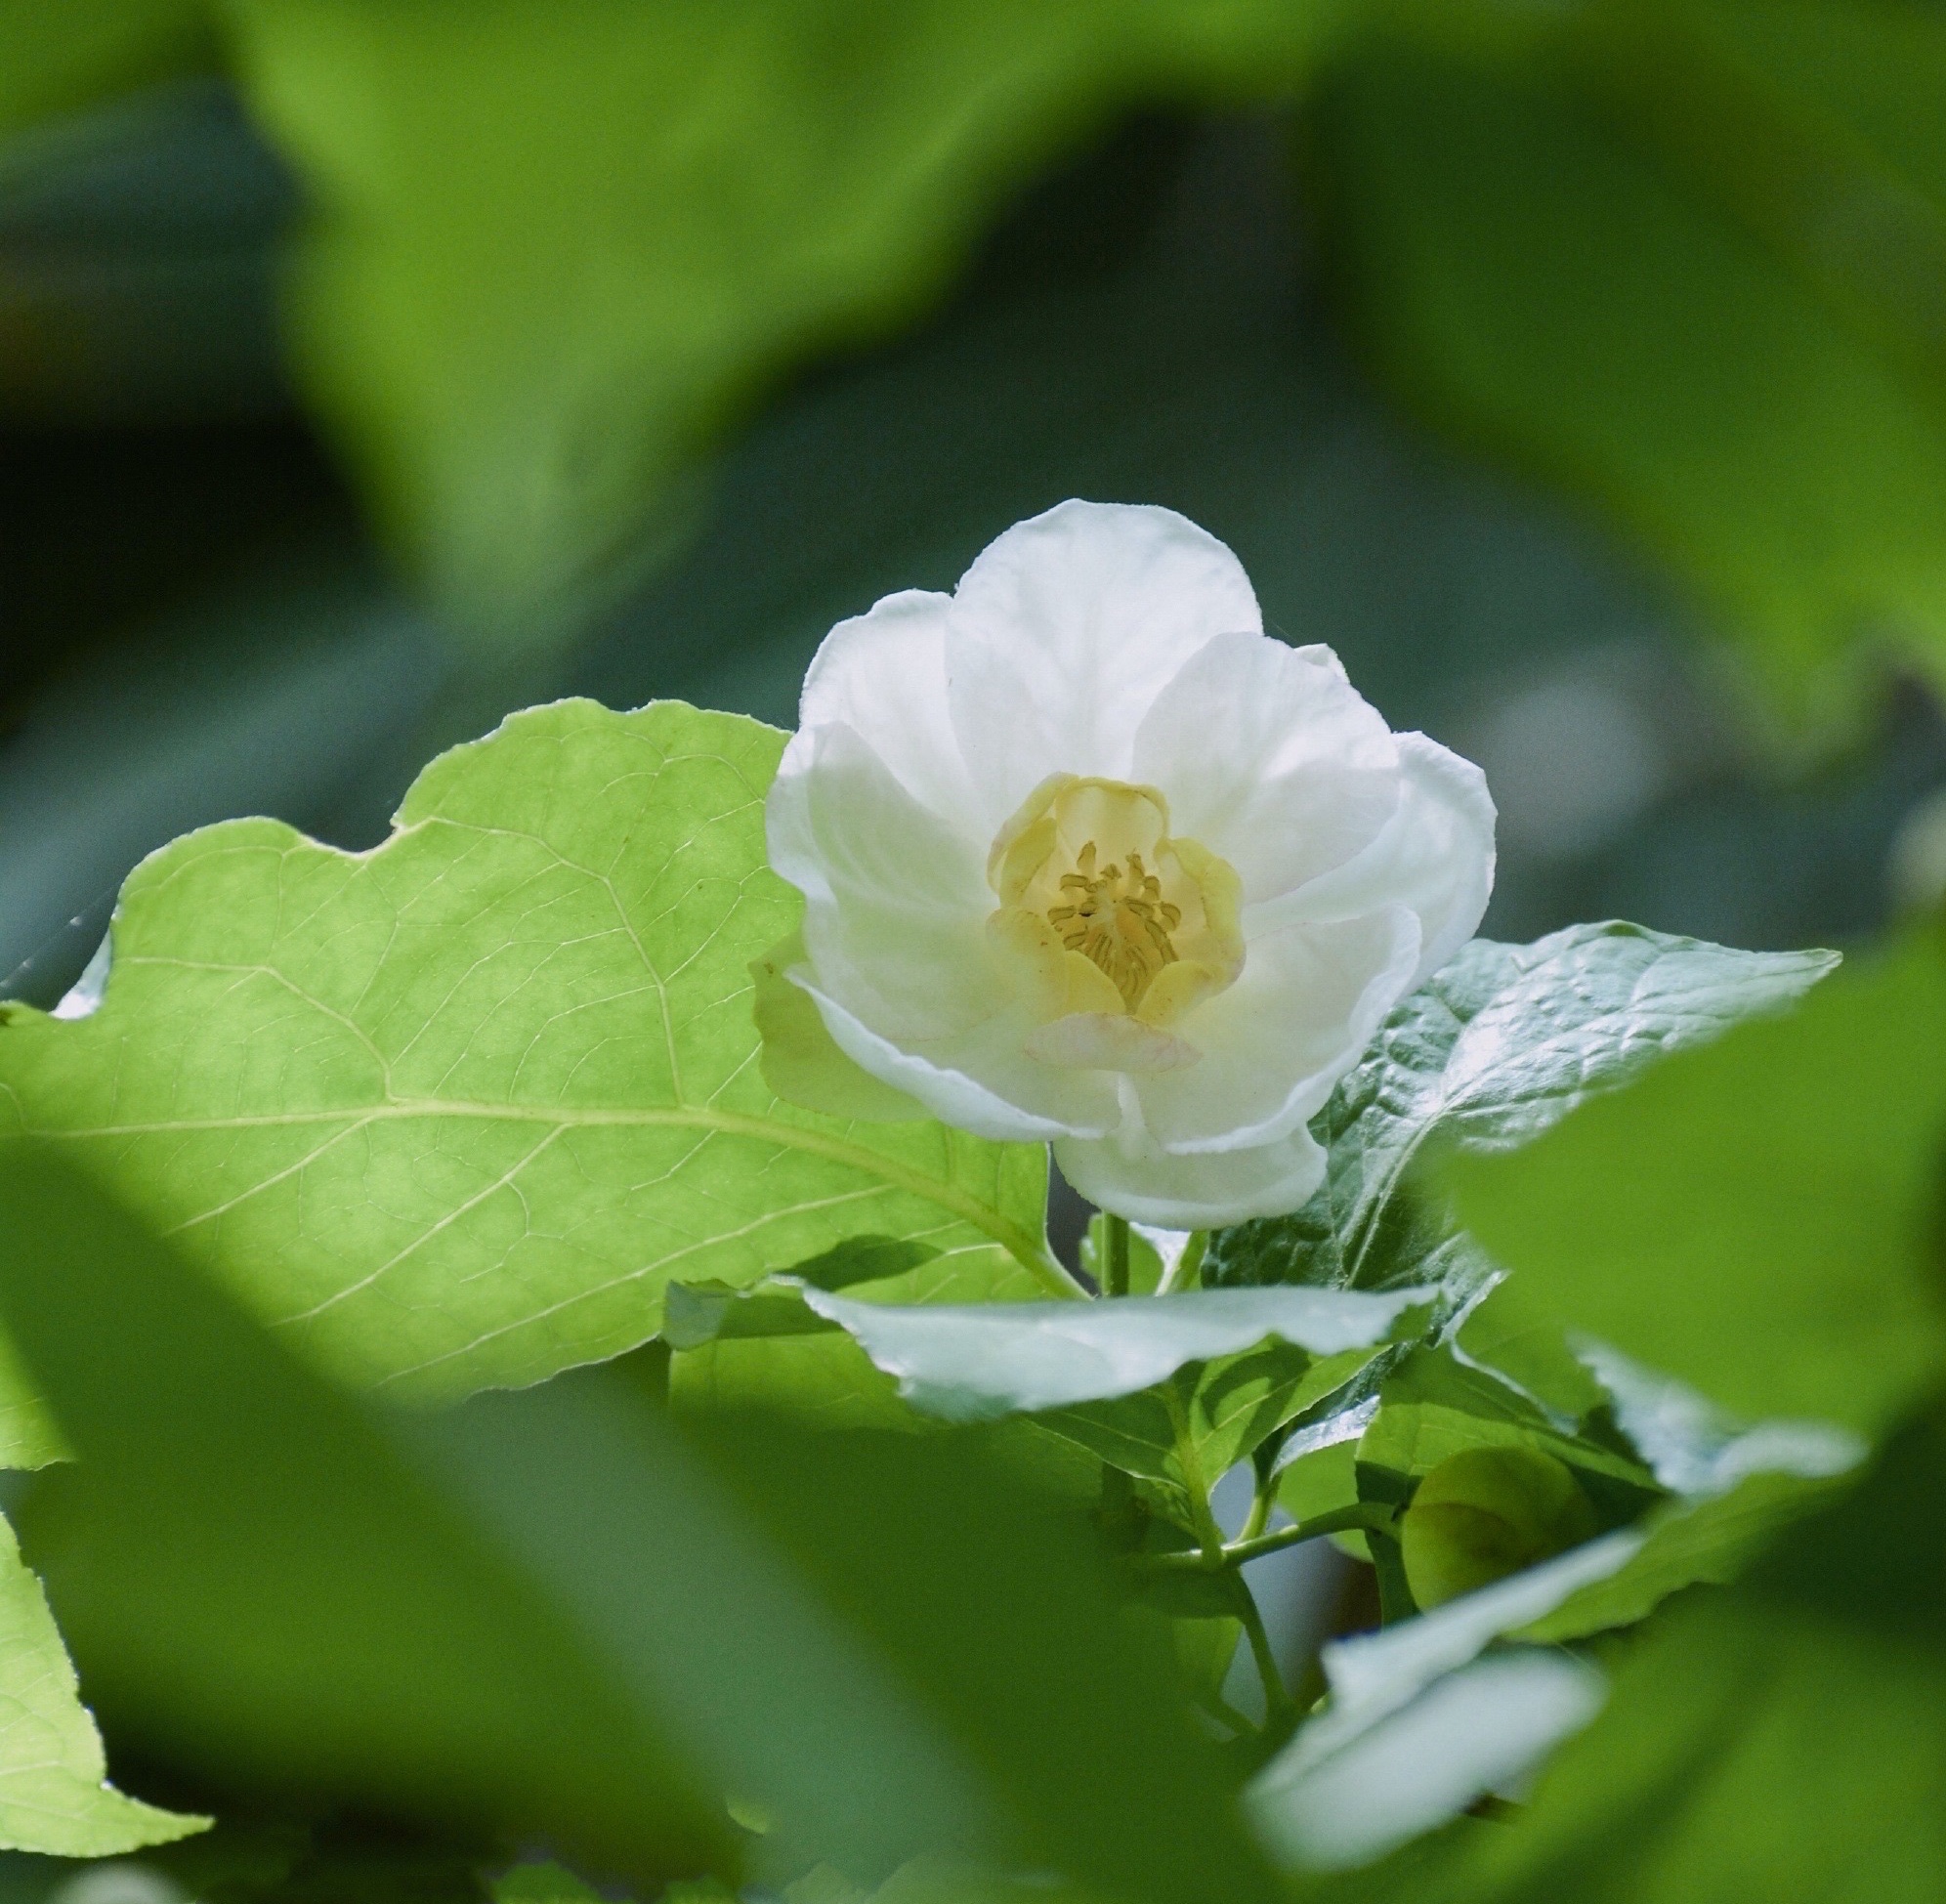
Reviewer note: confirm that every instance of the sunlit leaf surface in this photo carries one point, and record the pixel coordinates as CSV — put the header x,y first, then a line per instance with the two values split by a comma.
x,y
453,1111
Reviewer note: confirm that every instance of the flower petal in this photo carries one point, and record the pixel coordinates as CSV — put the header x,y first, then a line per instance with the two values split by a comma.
x,y
1270,758
883,675
1146,1184
896,901
982,1080
1435,854
1309,1002
1066,629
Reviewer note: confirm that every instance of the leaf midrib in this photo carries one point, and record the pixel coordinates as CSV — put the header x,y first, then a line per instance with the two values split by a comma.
x,y
1032,1254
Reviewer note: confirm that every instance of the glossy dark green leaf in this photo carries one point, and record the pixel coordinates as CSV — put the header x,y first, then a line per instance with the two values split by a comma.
x,y
1502,1042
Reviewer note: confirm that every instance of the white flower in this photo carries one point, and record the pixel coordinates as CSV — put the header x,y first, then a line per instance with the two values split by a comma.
x,y
1088,857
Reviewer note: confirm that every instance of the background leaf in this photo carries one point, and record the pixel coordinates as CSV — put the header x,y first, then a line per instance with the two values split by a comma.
x,y
511,310
1605,241
1768,1244
452,1111
62,56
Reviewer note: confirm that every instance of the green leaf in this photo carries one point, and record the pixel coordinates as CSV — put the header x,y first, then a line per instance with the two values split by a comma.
x,y
452,1111
1432,1407
1242,1363
1781,1738
975,1364
1712,1540
1754,1220
55,1796
1414,1731
1502,1042
1738,1488
558,251
762,1347
552,1613
59,58
821,1380
542,1883
1223,1411
1599,240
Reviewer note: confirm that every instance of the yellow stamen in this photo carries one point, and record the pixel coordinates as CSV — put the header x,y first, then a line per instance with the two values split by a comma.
x,y
1120,921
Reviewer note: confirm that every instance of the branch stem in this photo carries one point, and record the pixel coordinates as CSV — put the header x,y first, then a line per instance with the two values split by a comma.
x,y
1366,1514
1276,1696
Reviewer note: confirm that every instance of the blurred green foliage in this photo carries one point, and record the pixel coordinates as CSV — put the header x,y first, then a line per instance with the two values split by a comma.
x,y
1684,267
549,1613
555,252
1689,263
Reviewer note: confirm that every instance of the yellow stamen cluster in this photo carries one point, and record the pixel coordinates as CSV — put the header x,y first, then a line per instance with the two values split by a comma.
x,y
1118,920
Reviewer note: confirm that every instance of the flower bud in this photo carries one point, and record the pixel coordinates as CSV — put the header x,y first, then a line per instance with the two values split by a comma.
x,y
1486,1513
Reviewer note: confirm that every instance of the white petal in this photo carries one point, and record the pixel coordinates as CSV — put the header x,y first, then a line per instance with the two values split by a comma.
x,y
896,901
1435,854
1309,1002
1066,629
1269,757
883,675
1148,1185
982,1081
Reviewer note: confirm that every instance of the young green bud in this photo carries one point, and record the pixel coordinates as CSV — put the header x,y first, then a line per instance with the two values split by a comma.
x,y
1486,1513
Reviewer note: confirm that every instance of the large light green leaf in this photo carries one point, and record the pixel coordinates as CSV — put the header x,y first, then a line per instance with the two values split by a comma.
x,y
559,248
453,1111
54,1795
1754,1220
1501,1043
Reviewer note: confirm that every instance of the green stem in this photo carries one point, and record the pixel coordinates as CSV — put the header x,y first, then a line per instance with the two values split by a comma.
x,y
1260,1506
1115,1281
1367,1516
1193,1481
1218,1708
1276,1697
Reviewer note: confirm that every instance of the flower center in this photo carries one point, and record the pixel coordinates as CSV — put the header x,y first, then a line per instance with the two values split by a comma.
x,y
1111,927
1118,920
